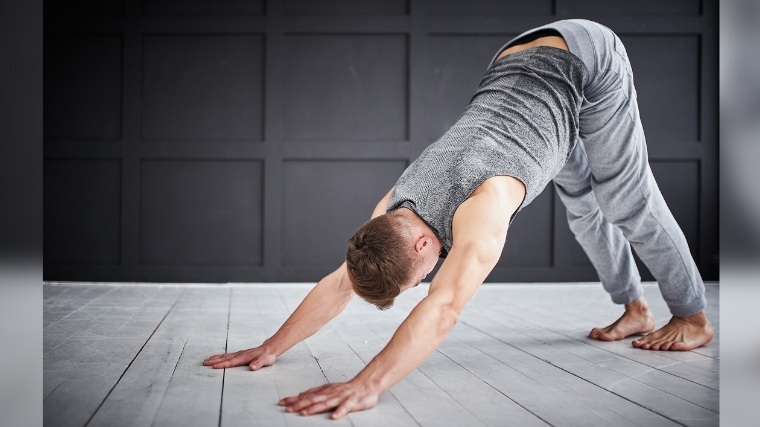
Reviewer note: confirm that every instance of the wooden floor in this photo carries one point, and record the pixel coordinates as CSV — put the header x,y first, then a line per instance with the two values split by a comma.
x,y
131,355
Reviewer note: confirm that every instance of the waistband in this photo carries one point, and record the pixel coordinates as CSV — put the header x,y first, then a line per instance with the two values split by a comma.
x,y
581,35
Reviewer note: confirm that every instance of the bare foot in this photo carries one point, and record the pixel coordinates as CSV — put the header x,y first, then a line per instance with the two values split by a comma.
x,y
680,334
637,319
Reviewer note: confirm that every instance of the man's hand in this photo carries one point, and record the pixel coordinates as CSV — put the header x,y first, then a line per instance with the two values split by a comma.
x,y
256,358
346,397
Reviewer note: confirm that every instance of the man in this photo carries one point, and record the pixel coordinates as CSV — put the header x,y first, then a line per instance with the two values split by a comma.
x,y
557,103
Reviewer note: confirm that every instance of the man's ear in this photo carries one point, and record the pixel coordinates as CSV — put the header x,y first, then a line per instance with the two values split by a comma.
x,y
422,242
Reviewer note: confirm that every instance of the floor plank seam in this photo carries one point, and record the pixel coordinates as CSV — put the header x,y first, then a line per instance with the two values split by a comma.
x,y
56,303
658,368
226,343
389,391
497,390
90,302
622,397
176,365
108,337
578,316
455,400
575,375
649,368
136,355
96,349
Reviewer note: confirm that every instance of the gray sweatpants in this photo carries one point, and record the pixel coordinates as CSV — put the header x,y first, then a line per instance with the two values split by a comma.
x,y
607,185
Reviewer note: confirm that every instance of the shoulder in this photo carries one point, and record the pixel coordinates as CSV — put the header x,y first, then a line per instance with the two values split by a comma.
x,y
487,211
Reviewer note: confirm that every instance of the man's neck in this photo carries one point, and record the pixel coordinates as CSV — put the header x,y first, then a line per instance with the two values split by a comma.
x,y
421,227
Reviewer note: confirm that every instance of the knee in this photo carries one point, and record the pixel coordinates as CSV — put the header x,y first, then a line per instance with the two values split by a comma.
x,y
581,221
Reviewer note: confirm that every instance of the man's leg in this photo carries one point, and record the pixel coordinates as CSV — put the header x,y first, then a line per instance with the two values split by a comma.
x,y
629,198
606,247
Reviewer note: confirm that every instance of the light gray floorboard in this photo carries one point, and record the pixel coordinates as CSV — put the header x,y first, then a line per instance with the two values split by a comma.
x,y
340,363
664,381
576,325
135,399
167,376
75,394
94,316
72,342
193,395
368,331
131,355
673,407
296,370
554,395
250,398
70,300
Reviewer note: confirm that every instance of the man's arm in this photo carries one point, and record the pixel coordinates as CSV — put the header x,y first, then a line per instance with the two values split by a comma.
x,y
325,301
480,228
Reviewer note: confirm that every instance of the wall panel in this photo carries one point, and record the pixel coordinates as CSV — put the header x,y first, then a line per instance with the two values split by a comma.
x,y
202,87
83,7
346,7
666,71
83,86
324,202
203,7
456,65
346,87
636,7
82,221
201,212
491,7
530,239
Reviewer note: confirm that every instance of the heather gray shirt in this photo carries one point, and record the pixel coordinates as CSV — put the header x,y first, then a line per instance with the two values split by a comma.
x,y
522,122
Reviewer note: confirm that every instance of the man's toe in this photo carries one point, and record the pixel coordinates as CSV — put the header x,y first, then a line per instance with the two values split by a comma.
x,y
604,336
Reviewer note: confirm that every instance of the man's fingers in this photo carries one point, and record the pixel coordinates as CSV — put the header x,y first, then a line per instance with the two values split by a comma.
x,y
301,404
314,390
290,400
302,395
221,365
346,407
219,358
233,361
287,400
322,406
213,359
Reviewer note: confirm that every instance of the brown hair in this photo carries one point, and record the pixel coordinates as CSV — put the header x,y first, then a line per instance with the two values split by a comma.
x,y
380,258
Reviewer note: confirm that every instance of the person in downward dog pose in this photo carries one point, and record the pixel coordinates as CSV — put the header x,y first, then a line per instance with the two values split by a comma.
x,y
556,103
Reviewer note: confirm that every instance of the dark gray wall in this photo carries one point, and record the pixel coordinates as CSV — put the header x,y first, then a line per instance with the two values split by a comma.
x,y
241,140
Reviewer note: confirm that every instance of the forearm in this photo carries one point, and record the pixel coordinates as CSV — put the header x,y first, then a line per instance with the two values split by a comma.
x,y
417,337
325,301
432,319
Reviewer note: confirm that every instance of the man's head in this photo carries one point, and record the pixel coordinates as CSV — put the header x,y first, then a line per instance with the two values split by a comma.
x,y
390,254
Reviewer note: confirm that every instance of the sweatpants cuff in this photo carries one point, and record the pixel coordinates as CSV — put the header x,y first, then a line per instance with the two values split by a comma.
x,y
631,294
689,309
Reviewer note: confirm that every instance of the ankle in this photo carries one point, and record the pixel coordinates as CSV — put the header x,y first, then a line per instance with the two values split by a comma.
x,y
638,306
698,319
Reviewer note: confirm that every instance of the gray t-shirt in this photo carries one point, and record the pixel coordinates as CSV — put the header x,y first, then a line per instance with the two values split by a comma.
x,y
522,122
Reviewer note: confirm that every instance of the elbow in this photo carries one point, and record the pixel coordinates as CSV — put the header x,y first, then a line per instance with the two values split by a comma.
x,y
449,317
